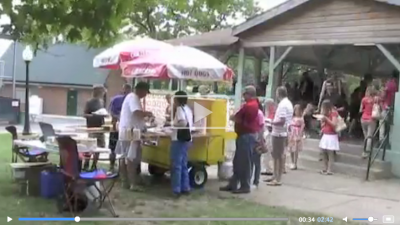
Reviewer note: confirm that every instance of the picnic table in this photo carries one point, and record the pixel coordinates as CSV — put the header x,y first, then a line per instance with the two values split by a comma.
x,y
37,144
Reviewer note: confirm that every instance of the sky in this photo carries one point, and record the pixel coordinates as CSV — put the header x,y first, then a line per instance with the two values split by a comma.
x,y
265,4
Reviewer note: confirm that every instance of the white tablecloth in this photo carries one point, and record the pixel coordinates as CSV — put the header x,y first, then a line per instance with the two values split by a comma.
x,y
42,146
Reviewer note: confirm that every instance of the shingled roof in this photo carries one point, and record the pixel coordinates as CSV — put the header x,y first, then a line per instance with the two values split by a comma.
x,y
279,10
62,64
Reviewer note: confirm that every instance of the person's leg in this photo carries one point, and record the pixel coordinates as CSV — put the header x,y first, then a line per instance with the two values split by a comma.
x,y
266,162
284,155
123,172
274,155
134,159
278,144
325,161
176,166
371,130
246,144
185,186
330,160
382,132
295,154
112,144
281,160
364,127
257,168
101,142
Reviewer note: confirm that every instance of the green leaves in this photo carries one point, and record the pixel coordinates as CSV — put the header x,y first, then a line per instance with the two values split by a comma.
x,y
166,19
98,23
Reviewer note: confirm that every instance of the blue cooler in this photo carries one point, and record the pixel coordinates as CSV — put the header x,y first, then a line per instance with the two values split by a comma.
x,y
51,184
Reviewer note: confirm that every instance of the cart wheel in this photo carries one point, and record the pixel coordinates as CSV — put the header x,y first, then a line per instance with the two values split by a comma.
x,y
156,170
198,176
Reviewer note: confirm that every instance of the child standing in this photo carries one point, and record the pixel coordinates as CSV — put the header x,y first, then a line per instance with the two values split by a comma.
x,y
296,129
270,107
260,140
330,141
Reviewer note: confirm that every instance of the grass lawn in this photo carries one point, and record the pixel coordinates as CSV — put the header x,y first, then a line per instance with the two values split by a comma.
x,y
154,202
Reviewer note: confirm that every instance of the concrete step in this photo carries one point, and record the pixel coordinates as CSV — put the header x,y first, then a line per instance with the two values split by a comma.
x,y
354,149
311,163
343,157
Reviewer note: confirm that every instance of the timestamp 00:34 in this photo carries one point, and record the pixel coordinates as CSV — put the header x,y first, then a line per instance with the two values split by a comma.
x,y
316,219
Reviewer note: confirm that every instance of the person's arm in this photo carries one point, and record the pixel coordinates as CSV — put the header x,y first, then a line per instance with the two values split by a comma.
x,y
362,105
281,115
136,108
303,125
322,94
332,121
180,118
237,117
87,112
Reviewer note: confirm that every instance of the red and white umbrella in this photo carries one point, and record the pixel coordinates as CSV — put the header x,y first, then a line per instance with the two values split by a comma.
x,y
127,51
180,62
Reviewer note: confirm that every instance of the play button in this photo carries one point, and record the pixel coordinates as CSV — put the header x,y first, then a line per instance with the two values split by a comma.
x,y
8,219
200,112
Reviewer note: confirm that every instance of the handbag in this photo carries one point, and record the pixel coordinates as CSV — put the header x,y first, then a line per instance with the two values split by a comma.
x,y
263,143
341,125
184,134
376,111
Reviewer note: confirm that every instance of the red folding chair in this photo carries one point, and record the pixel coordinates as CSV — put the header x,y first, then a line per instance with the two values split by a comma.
x,y
24,153
75,181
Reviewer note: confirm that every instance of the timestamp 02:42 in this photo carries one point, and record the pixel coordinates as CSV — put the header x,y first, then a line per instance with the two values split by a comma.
x,y
316,219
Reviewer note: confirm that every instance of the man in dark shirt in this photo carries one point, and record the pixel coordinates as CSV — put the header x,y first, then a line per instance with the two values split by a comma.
x,y
115,110
92,120
306,88
246,127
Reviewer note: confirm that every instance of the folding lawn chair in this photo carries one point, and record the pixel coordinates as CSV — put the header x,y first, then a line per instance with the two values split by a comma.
x,y
24,153
47,130
76,181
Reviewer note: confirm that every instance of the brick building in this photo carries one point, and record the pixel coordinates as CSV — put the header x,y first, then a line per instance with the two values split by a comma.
x,y
62,76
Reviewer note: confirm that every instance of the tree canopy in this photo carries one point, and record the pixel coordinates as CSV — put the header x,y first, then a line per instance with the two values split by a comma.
x,y
99,23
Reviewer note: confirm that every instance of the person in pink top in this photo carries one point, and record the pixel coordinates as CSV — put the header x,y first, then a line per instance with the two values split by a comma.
x,y
256,155
368,123
388,95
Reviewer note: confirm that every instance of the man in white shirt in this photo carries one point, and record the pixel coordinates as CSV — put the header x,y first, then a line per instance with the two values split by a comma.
x,y
131,117
280,123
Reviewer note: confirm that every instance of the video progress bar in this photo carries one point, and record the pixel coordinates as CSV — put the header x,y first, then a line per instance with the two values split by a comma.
x,y
154,219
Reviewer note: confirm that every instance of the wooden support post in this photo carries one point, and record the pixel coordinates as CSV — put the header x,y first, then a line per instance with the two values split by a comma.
x,y
239,81
389,56
257,70
282,57
270,89
170,84
275,70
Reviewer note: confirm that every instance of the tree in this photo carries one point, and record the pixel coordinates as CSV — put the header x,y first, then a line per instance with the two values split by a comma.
x,y
96,23
166,19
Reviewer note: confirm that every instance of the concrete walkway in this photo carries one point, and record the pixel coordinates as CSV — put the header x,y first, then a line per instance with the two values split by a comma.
x,y
336,195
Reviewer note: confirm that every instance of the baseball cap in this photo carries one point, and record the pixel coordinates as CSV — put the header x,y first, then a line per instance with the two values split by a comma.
x,y
143,86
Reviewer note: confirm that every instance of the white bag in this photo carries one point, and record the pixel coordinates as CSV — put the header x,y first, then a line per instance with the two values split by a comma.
x,y
128,134
225,171
376,112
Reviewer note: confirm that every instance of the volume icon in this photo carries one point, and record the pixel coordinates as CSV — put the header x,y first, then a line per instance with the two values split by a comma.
x,y
345,219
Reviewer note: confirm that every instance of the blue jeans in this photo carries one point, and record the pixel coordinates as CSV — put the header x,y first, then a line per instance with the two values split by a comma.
x,y
179,168
243,161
